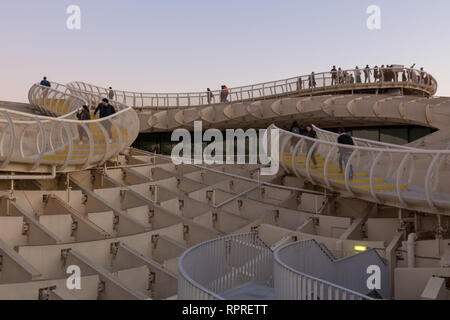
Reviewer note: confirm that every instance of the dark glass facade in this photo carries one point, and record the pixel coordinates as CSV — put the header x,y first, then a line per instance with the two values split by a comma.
x,y
393,134
161,142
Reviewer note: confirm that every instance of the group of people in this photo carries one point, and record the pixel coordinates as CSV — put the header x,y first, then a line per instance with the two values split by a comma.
x,y
105,109
224,92
344,138
311,81
388,73
385,73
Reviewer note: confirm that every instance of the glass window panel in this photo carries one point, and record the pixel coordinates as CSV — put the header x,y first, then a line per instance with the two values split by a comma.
x,y
394,135
368,133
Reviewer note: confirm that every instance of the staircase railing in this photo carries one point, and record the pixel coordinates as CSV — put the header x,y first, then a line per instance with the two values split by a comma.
x,y
294,283
213,267
332,137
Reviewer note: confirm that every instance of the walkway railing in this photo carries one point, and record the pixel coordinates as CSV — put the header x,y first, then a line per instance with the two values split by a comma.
x,y
406,177
332,137
292,283
213,267
345,80
60,140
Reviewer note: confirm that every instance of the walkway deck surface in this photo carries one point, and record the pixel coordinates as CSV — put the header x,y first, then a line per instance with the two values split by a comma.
x,y
17,106
250,291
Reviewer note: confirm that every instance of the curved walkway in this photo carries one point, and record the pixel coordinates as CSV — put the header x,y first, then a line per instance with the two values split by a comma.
x,y
240,261
242,267
307,270
399,176
262,104
35,143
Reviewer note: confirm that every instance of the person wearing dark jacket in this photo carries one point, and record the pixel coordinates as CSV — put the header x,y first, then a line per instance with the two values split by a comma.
x,y
333,76
310,133
106,110
83,115
209,95
345,153
295,128
45,83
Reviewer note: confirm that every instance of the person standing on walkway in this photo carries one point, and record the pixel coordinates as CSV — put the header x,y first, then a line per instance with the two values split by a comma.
x,y
45,83
383,74
299,84
345,153
224,94
367,74
209,95
334,76
411,73
422,76
295,128
312,80
83,114
345,78
310,133
357,74
376,73
340,76
111,94
106,110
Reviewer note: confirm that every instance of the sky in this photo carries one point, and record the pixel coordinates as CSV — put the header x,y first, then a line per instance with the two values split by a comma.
x,y
189,45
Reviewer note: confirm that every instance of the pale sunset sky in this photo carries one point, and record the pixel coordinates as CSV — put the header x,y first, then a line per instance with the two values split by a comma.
x,y
180,45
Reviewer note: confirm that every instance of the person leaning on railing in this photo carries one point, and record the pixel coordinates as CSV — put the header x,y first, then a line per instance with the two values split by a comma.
x,y
45,83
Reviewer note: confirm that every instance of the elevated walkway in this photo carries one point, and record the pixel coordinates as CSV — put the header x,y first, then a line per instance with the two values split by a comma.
x,y
280,101
399,176
58,142
307,270
242,267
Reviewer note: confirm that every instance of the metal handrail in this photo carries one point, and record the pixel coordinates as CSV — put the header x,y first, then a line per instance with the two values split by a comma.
x,y
223,271
293,284
417,79
395,158
231,175
331,136
31,137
